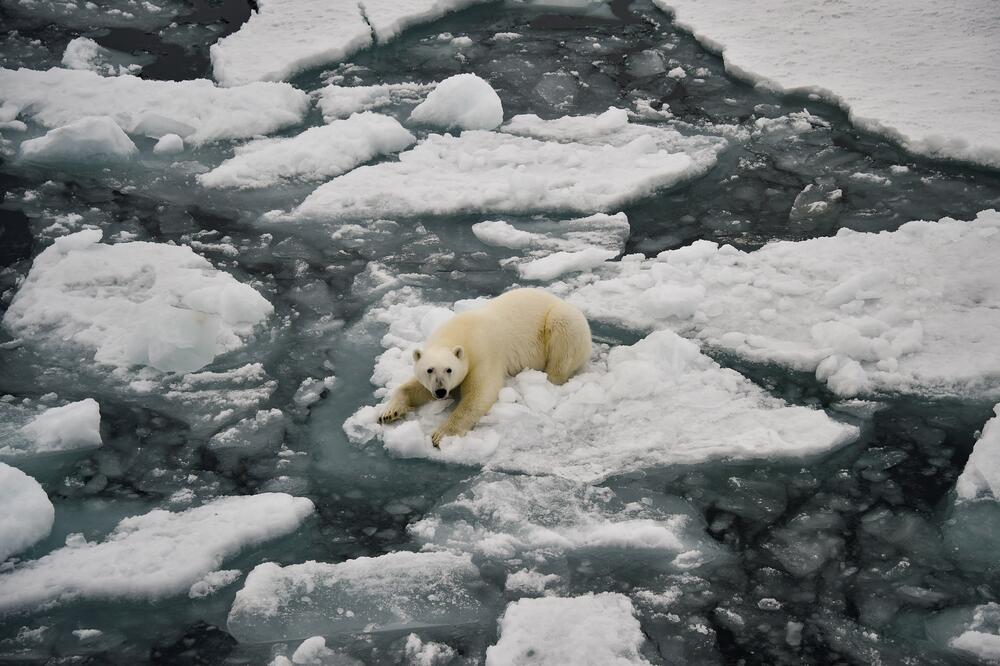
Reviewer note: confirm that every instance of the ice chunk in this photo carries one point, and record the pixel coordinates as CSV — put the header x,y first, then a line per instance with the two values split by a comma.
x,y
73,426
944,108
342,101
154,555
973,631
133,303
606,166
554,249
212,582
527,517
914,310
26,514
87,140
591,630
391,592
312,651
85,53
981,476
196,110
169,144
265,430
658,402
316,154
463,102
285,37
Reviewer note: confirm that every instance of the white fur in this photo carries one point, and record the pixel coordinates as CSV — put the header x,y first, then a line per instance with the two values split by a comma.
x,y
524,328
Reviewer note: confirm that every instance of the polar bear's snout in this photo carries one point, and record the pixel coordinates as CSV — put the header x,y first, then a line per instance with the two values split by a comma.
x,y
440,393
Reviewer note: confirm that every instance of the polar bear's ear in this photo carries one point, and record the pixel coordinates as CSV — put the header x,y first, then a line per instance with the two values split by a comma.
x,y
416,355
458,352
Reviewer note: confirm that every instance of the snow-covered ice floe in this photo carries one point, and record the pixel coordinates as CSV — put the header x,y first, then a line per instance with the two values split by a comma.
x,y
152,556
26,514
534,519
554,249
937,95
336,101
981,476
92,139
283,38
315,154
658,402
27,432
915,310
138,303
196,110
582,164
391,592
461,102
588,630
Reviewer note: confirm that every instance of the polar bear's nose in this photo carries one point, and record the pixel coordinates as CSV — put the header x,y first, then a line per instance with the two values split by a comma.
x,y
440,393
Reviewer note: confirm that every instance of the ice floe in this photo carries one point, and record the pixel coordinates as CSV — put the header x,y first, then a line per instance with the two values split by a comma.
x,y
981,476
76,425
85,53
971,631
590,630
92,139
914,310
196,110
133,304
462,102
655,403
26,514
391,592
315,154
938,101
336,101
584,164
154,555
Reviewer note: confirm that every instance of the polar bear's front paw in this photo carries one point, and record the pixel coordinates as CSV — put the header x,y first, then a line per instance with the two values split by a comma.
x,y
392,412
445,431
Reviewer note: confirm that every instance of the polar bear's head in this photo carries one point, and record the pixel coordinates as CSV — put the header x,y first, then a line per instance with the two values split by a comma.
x,y
440,369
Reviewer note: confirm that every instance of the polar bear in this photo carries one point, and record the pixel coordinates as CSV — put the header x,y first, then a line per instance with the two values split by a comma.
x,y
476,350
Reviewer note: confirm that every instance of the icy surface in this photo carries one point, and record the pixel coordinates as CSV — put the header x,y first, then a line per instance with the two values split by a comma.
x,y
598,168
389,18
73,426
315,154
661,401
92,139
85,53
337,101
981,476
461,102
914,310
196,110
26,514
395,591
591,630
154,555
135,303
939,101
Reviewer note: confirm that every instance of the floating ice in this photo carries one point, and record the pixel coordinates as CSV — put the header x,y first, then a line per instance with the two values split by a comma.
x,y
591,630
73,426
212,582
134,303
555,249
981,476
92,139
388,18
914,310
312,651
169,144
265,430
26,514
590,165
534,518
342,101
392,592
420,653
462,102
196,110
154,555
938,101
317,153
972,631
85,53
655,403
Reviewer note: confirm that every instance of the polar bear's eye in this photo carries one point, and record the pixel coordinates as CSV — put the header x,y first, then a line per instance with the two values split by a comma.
x,y
448,371
430,371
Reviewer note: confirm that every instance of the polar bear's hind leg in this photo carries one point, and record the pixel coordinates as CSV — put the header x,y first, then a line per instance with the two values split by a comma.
x,y
567,342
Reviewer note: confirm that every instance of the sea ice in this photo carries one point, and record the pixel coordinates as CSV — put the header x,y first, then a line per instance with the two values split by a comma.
x,y
913,311
196,110
590,630
87,140
462,102
658,402
26,514
341,101
938,98
971,631
135,303
154,555
73,426
85,53
169,144
981,476
315,154
388,18
391,592
586,164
